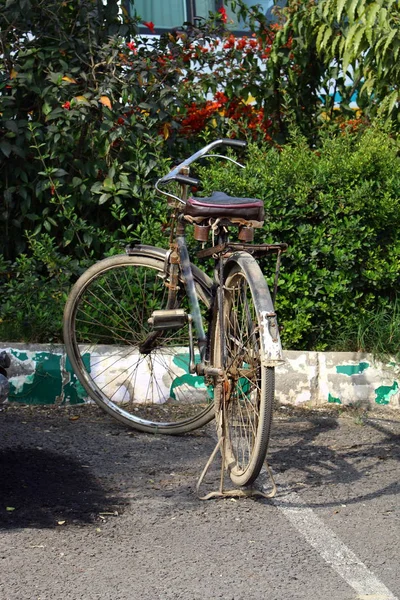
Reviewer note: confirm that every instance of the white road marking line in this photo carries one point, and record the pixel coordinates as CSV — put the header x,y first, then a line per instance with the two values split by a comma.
x,y
338,556
332,549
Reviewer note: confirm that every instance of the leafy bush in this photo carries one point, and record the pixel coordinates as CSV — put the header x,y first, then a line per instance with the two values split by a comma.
x,y
338,208
91,115
33,300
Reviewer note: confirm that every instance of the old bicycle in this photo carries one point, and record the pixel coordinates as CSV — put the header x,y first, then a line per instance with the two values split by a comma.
x,y
164,348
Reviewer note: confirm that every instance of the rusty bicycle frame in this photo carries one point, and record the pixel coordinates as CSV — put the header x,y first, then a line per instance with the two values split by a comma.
x,y
178,261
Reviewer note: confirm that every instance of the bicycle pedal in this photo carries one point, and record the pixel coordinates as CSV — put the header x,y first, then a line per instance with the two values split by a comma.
x,y
168,319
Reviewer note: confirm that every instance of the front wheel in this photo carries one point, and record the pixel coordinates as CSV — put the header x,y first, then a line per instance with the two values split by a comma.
x,y
139,376
244,395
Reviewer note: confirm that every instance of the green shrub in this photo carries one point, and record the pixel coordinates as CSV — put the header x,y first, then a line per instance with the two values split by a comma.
x,y
338,208
33,300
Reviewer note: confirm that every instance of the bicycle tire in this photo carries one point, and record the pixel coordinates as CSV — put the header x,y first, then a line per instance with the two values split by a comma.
x,y
244,398
105,320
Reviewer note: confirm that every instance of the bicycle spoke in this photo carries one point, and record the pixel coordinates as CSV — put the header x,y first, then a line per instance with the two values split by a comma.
x,y
242,395
110,326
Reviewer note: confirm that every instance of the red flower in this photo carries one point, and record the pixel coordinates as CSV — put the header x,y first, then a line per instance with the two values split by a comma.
x,y
221,98
224,16
131,46
120,120
230,43
66,105
150,25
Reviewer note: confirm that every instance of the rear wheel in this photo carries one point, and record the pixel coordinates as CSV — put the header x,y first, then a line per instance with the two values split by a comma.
x,y
146,386
244,396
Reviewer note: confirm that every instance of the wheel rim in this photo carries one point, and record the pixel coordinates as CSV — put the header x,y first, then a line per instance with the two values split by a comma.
x,y
243,386
110,322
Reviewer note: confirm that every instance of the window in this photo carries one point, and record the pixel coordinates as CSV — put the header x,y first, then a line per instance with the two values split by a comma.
x,y
167,14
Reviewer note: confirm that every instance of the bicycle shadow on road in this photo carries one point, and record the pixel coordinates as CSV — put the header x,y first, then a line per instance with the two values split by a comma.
x,y
45,489
314,452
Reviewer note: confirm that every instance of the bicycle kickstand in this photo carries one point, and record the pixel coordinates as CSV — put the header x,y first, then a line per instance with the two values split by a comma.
x,y
238,492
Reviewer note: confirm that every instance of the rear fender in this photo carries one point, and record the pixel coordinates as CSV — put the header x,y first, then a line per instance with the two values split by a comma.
x,y
162,254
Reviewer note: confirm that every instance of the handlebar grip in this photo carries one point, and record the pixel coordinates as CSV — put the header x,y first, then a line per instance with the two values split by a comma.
x,y
234,143
185,180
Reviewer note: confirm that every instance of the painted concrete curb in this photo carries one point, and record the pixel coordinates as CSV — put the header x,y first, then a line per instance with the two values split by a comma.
x,y
42,374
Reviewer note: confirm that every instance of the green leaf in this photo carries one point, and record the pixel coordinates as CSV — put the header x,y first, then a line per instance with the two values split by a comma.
x,y
390,37
372,11
340,7
351,33
326,8
327,36
357,40
12,126
335,42
104,197
87,238
383,17
108,184
351,9
37,229
392,101
97,187
68,236
396,48
320,35
60,173
5,147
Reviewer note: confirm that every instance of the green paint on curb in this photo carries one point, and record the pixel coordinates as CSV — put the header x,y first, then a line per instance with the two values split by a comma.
x,y
334,400
352,369
195,381
44,384
384,393
73,391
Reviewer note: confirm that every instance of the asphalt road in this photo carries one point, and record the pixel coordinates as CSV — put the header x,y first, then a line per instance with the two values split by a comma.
x,y
92,510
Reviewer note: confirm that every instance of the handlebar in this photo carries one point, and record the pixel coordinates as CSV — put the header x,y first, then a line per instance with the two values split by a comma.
x,y
175,173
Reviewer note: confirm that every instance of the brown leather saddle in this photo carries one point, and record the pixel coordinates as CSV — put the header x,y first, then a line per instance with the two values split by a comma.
x,y
222,206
